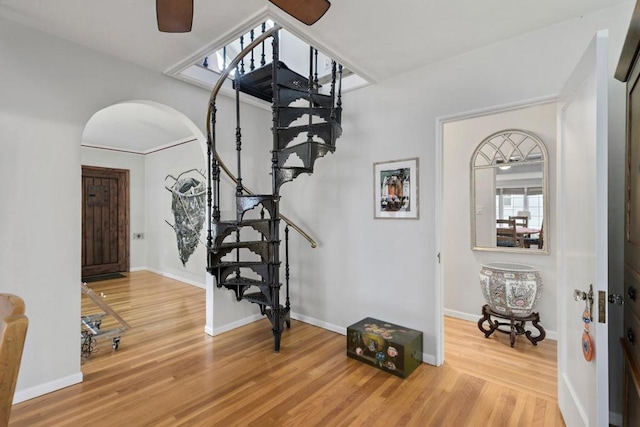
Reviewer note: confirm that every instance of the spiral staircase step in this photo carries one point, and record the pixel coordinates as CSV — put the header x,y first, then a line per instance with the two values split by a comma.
x,y
246,202
258,82
308,152
257,297
288,95
288,115
329,132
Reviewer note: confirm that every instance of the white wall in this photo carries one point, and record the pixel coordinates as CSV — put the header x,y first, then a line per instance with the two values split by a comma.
x,y
43,111
387,268
461,265
362,267
163,255
91,156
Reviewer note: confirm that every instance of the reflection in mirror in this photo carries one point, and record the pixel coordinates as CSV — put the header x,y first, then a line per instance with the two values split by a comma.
x,y
509,198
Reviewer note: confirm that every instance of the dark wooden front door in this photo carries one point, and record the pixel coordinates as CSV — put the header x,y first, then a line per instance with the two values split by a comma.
x,y
105,220
631,333
629,71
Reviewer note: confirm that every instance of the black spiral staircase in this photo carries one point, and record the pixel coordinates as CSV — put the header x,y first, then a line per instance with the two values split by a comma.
x,y
244,251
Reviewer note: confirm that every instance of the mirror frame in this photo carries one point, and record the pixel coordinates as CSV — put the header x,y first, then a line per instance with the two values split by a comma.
x,y
493,164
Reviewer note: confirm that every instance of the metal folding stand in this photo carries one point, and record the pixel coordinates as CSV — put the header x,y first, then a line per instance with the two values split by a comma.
x,y
92,324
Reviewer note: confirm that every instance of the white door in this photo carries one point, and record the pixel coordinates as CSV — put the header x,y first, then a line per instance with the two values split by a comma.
x,y
583,386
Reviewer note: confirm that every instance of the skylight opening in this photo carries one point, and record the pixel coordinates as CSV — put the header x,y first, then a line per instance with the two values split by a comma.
x,y
221,58
293,51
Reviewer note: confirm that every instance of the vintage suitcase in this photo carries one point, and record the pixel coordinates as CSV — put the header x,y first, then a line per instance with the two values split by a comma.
x,y
392,348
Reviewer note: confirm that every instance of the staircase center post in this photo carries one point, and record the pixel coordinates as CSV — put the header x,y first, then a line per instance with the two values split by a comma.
x,y
277,320
215,168
262,57
310,92
239,187
286,270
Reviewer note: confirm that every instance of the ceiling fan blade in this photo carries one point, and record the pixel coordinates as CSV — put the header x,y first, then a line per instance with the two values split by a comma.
x,y
306,11
174,16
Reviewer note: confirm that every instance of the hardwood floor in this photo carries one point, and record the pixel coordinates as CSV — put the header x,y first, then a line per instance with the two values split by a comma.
x,y
167,372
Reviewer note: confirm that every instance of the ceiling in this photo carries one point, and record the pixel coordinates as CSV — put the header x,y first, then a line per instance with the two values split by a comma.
x,y
372,37
139,127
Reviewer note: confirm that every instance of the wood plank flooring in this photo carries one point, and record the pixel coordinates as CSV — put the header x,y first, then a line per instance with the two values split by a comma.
x,y
167,372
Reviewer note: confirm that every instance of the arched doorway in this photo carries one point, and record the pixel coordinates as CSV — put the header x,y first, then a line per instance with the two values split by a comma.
x,y
124,138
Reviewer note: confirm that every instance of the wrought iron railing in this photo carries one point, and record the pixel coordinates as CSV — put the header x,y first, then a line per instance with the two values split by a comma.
x,y
211,141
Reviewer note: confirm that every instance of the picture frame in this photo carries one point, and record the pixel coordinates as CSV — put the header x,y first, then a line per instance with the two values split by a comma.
x,y
395,189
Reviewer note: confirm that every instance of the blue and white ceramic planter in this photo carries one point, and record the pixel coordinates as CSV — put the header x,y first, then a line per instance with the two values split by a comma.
x,y
511,289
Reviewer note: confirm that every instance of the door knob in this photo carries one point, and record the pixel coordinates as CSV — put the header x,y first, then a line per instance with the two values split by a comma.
x,y
631,293
631,336
587,297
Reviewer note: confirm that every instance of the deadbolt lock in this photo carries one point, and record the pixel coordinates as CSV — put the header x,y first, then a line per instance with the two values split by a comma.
x,y
616,299
602,307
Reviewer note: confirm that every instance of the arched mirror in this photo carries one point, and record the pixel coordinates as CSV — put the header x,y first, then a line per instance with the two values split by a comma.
x,y
509,196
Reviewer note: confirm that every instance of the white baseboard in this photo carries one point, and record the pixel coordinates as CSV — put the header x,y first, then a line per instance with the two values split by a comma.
x,y
172,276
429,359
552,335
39,390
461,315
247,320
426,358
319,323
233,325
571,407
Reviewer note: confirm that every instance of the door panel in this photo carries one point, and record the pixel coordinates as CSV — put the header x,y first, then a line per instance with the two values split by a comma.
x,y
582,236
628,71
105,215
631,288
633,161
632,329
631,308
633,406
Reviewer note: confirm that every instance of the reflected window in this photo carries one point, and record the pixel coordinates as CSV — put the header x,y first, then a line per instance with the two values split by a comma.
x,y
509,182
527,201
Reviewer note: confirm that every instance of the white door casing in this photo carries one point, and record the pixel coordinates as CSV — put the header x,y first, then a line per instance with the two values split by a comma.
x,y
583,388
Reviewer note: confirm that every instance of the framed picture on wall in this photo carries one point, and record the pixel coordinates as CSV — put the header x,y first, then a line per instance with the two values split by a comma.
x,y
395,189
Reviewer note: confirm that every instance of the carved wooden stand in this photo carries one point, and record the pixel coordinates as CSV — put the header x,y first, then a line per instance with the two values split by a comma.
x,y
515,324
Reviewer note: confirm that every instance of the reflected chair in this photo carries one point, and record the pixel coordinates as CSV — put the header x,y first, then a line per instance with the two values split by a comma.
x,y
521,221
537,239
13,326
506,234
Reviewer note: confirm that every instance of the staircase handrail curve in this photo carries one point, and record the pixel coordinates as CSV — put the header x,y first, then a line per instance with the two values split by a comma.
x,y
212,100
